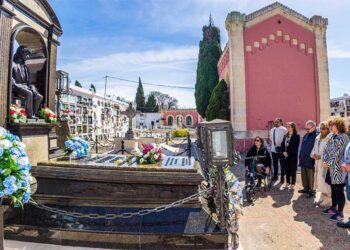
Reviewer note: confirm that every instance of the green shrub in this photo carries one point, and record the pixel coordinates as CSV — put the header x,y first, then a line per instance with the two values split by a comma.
x,y
180,132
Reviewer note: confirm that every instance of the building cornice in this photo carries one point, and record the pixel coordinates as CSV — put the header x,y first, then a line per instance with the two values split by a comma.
x,y
55,26
6,10
237,17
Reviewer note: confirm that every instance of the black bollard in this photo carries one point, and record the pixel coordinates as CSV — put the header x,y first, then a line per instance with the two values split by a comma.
x,y
123,147
96,146
189,145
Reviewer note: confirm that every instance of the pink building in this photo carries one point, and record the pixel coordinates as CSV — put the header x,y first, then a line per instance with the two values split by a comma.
x,y
188,118
276,65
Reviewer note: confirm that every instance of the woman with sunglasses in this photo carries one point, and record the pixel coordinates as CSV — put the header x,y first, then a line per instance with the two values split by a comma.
x,y
258,149
323,190
290,147
331,157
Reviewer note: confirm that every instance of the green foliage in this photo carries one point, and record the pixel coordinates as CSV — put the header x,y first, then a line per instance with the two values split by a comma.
x,y
92,88
207,72
151,105
218,103
78,84
140,97
180,133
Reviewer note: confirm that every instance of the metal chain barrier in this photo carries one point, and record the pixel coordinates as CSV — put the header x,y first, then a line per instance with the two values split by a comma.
x,y
123,215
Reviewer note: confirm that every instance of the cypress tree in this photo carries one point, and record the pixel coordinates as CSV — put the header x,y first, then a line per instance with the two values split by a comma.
x,y
140,97
78,84
218,103
92,88
207,72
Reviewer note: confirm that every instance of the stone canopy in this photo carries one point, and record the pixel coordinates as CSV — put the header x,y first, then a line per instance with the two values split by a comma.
x,y
34,24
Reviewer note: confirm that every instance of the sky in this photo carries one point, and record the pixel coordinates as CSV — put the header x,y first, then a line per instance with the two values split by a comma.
x,y
158,40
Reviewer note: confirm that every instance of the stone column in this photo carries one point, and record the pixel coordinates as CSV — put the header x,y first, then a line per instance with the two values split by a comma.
x,y
235,26
5,43
320,26
52,71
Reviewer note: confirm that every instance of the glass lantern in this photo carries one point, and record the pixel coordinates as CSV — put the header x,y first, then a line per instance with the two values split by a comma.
x,y
219,145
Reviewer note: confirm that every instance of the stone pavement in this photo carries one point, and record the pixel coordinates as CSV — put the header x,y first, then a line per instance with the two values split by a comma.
x,y
283,219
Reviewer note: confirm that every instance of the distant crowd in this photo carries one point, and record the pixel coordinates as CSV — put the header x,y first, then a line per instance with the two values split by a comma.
x,y
323,156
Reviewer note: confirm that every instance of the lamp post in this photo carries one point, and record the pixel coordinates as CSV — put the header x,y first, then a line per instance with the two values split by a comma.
x,y
218,148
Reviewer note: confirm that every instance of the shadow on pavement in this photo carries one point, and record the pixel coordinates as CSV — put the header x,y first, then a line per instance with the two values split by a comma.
x,y
326,231
280,196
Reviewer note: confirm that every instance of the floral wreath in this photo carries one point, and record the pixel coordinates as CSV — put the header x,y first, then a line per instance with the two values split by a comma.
x,y
15,177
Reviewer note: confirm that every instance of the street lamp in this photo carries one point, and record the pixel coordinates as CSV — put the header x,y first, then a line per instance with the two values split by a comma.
x,y
218,152
218,145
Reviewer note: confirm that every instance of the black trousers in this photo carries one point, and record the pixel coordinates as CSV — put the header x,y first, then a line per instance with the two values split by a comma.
x,y
278,158
291,164
32,96
338,196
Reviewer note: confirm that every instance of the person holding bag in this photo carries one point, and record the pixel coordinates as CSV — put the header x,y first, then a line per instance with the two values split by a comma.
x,y
290,148
332,159
346,168
323,190
276,137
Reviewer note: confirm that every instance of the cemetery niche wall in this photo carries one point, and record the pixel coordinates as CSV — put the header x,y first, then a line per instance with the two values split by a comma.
x,y
29,26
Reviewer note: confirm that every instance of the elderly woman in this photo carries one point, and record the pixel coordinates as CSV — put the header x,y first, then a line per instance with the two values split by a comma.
x,y
332,156
323,190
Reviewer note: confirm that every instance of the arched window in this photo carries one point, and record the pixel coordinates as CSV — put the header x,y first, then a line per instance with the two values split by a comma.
x,y
189,120
170,121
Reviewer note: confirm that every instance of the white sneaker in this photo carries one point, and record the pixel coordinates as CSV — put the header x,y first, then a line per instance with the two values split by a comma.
x,y
291,187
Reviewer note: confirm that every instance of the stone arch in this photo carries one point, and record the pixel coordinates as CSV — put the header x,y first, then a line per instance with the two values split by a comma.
x,y
170,120
189,120
24,35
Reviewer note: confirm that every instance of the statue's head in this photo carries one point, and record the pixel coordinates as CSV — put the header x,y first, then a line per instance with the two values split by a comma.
x,y
22,53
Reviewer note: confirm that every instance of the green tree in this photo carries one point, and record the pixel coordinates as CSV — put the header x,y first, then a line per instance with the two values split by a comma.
x,y
92,88
78,84
164,101
151,105
218,103
207,72
140,97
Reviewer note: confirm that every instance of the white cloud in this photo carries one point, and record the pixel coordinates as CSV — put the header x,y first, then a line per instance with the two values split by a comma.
x,y
339,52
169,65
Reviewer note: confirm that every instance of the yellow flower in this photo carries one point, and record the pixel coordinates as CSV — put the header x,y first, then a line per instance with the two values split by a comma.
x,y
119,162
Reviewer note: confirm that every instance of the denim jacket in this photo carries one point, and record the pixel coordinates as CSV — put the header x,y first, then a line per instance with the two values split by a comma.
x,y
346,159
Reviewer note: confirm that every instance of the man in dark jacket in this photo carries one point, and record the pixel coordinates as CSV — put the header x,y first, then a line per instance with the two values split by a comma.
x,y
306,163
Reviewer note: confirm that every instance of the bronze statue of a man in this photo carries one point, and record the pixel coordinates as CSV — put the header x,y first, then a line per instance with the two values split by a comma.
x,y
21,83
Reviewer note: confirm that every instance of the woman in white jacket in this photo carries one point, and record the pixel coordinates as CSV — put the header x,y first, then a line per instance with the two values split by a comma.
x,y
323,190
